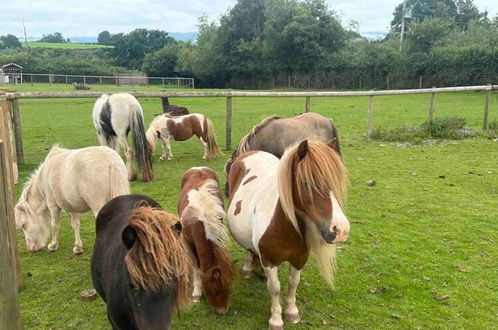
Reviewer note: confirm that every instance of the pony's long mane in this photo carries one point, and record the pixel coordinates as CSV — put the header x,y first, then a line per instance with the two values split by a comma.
x,y
244,142
323,171
159,257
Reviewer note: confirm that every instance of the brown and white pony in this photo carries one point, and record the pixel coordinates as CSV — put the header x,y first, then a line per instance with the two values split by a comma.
x,y
280,210
181,128
276,134
201,212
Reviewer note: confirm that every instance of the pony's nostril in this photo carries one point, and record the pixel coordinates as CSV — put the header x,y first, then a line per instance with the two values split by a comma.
x,y
331,236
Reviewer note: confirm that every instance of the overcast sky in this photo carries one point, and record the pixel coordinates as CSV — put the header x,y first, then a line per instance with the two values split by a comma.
x,y
89,17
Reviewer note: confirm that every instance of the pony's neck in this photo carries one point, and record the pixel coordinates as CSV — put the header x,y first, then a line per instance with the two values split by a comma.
x,y
34,195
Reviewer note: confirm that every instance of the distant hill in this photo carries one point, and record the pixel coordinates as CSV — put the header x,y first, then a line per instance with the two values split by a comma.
x,y
180,36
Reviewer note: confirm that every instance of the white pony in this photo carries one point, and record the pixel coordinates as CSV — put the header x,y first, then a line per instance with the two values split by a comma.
x,y
114,116
73,181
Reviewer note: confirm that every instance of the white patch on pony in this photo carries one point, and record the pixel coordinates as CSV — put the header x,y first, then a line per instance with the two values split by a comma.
x,y
339,220
204,205
200,118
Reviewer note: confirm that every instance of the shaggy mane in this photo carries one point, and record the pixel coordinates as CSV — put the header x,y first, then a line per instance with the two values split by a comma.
x,y
159,257
244,142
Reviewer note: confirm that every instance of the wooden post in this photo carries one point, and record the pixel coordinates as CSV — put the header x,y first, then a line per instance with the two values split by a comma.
x,y
84,80
388,82
369,116
420,79
31,79
100,80
162,79
307,104
229,124
485,126
7,134
16,119
9,297
67,82
431,107
193,83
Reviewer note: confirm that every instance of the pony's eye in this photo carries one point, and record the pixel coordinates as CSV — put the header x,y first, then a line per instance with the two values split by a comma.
x,y
23,226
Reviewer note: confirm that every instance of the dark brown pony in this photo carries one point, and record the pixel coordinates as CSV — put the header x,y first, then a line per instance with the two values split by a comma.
x,y
201,212
139,264
181,128
275,134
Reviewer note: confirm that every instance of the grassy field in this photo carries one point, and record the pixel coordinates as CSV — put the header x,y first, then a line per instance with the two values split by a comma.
x,y
65,45
423,249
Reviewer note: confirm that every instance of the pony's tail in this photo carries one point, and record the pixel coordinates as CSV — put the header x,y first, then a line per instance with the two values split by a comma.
x,y
119,184
336,136
142,150
210,138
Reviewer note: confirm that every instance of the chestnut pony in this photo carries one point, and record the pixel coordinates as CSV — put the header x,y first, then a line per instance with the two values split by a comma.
x,y
181,128
201,212
280,210
139,264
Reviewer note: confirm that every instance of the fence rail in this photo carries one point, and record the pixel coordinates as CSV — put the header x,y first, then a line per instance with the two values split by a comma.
x,y
117,79
13,97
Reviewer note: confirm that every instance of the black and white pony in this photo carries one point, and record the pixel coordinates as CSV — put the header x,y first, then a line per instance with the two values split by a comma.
x,y
114,116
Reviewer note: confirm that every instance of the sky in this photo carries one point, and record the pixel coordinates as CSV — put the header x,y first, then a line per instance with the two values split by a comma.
x,y
75,18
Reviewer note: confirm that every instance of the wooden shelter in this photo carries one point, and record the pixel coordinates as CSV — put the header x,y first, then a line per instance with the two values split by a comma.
x,y
11,73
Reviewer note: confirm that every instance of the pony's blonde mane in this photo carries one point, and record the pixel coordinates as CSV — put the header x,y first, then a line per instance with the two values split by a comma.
x,y
211,213
159,256
244,142
323,171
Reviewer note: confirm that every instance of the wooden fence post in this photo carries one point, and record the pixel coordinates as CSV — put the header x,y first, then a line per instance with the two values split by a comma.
x,y
485,126
9,297
420,79
7,128
431,107
229,124
307,104
16,118
67,83
369,117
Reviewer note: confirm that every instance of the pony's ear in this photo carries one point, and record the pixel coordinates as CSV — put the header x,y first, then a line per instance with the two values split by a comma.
x,y
216,274
129,236
333,144
302,150
178,227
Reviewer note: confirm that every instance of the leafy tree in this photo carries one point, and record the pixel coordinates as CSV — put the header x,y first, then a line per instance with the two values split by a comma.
x,y
9,41
420,9
424,35
467,12
54,38
104,38
162,63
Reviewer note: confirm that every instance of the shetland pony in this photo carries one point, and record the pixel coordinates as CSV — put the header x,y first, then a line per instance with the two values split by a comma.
x,y
114,116
201,212
181,128
73,181
275,134
138,264
280,210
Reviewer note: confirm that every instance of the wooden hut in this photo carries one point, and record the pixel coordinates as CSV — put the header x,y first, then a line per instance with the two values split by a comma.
x,y
11,73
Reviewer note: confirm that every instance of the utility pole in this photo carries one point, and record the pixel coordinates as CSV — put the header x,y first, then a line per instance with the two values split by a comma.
x,y
25,34
403,12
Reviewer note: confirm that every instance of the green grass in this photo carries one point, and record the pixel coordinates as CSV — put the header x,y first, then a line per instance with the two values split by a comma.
x,y
423,250
65,45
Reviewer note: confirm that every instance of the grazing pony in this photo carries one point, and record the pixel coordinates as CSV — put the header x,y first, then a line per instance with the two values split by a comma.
x,y
201,211
275,134
114,116
139,264
73,181
280,210
181,128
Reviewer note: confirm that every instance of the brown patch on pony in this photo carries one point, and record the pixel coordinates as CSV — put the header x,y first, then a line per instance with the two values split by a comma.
x,y
281,242
237,173
238,208
158,257
249,179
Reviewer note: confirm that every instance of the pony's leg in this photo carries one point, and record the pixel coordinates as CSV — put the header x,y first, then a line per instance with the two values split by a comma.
x,y
196,294
75,223
273,284
130,161
167,154
248,268
55,213
291,312
205,146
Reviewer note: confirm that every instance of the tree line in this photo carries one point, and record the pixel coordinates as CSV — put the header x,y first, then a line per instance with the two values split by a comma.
x,y
300,43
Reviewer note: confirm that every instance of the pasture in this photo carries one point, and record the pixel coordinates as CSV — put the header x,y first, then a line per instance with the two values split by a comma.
x,y
423,247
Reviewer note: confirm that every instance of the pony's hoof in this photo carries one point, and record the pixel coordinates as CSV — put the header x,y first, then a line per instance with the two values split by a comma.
x,y
162,158
292,318
204,158
196,299
247,273
52,247
77,250
170,158
275,327
132,177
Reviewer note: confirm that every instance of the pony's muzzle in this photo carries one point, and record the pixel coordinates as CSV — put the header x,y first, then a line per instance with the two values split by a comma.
x,y
221,310
32,247
334,234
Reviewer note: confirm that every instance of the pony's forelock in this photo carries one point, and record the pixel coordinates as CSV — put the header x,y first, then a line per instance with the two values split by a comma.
x,y
159,257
